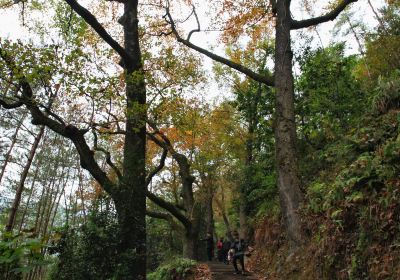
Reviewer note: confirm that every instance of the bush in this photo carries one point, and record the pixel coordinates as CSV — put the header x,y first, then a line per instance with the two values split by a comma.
x,y
19,254
81,251
387,94
175,269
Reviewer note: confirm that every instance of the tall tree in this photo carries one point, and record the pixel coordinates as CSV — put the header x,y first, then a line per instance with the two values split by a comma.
x,y
282,79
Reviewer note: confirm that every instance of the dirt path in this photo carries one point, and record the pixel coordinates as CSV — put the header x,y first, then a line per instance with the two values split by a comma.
x,y
221,271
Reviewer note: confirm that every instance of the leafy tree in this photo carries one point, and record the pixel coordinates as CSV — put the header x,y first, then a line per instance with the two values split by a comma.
x,y
80,250
329,96
281,80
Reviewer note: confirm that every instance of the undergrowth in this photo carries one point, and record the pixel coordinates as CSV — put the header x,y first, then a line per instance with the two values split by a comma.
x,y
175,269
352,217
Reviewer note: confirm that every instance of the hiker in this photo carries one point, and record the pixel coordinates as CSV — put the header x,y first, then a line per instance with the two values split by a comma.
x,y
226,246
239,247
209,246
220,248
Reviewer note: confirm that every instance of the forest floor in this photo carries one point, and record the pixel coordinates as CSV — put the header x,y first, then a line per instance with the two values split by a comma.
x,y
221,271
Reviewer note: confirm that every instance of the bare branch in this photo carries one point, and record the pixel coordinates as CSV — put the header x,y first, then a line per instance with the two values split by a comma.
x,y
198,24
265,79
327,17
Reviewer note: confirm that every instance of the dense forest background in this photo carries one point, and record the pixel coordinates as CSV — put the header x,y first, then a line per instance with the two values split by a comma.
x,y
123,142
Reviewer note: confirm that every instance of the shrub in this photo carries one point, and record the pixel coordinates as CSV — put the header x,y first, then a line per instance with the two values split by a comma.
x,y
175,269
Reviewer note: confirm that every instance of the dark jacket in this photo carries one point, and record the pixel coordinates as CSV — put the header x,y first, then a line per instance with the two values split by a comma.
x,y
226,246
239,246
210,242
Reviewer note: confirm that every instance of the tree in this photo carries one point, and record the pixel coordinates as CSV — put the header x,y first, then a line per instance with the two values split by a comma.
x,y
129,190
282,81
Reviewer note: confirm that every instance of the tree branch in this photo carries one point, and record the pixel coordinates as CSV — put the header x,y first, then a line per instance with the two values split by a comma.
x,y
14,105
184,166
71,132
327,17
107,154
198,24
158,168
170,208
93,22
163,216
265,79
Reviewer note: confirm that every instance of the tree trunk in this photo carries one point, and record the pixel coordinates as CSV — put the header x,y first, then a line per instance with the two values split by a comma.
x,y
377,15
285,127
28,201
53,200
21,184
209,204
80,188
57,198
8,154
221,206
190,243
39,210
130,197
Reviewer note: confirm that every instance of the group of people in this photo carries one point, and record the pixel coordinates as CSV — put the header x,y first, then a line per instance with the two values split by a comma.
x,y
228,251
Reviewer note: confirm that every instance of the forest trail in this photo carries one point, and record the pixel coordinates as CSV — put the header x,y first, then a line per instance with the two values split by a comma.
x,y
221,271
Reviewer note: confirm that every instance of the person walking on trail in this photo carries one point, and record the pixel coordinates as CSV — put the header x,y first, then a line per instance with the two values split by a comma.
x,y
226,246
239,247
209,246
220,248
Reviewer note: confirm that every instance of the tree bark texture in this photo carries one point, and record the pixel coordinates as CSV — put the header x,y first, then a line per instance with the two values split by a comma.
x,y
190,242
285,127
130,196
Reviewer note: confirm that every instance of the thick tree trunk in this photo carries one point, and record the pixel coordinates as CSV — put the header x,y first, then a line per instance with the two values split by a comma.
x,y
243,217
21,184
130,197
190,240
209,206
285,128
190,243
